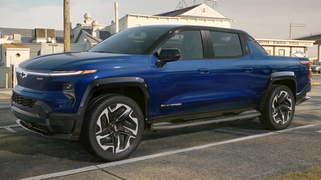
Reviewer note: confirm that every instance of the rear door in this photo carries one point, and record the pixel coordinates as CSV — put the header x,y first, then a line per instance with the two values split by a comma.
x,y
233,80
182,86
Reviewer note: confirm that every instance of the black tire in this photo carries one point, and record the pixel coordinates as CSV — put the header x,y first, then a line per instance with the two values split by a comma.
x,y
279,108
113,127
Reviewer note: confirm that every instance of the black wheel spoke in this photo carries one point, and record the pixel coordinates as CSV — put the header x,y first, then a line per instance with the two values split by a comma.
x,y
282,97
286,108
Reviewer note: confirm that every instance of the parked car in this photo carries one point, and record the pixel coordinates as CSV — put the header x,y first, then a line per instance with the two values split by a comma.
x,y
157,78
316,68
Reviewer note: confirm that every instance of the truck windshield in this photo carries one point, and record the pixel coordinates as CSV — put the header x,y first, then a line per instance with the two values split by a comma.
x,y
130,41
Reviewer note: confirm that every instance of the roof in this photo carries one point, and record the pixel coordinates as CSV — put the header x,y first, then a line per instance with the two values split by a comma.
x,y
91,38
25,32
177,12
311,37
183,26
13,46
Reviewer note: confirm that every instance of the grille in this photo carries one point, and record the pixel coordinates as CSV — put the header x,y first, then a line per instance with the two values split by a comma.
x,y
23,101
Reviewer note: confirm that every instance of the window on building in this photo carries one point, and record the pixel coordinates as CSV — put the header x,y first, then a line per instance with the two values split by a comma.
x,y
189,43
281,52
226,44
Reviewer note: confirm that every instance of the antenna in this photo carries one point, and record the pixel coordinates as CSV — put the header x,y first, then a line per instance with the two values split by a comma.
x,y
181,4
214,3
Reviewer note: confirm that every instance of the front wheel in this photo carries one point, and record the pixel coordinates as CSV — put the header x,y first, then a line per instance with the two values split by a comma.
x,y
113,128
279,107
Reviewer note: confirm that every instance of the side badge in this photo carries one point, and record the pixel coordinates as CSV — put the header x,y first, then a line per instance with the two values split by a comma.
x,y
170,105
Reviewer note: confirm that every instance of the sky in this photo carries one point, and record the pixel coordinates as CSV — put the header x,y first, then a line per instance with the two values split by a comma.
x,y
261,18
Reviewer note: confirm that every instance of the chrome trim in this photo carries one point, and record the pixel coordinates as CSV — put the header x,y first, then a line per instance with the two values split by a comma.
x,y
66,74
24,112
51,74
20,70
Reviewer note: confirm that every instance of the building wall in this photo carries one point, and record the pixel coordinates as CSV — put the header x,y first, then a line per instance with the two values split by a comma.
x,y
34,48
282,47
3,57
283,51
13,58
203,10
59,48
134,21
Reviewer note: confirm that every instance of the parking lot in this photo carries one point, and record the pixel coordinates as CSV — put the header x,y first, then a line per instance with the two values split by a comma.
x,y
234,150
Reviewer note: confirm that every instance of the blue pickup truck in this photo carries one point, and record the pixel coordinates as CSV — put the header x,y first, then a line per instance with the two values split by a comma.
x,y
153,78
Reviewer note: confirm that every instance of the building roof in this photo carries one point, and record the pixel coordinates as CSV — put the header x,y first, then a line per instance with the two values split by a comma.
x,y
25,32
314,37
13,46
177,12
91,38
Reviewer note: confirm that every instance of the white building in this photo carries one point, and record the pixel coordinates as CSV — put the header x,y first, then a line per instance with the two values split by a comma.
x,y
280,47
13,54
200,14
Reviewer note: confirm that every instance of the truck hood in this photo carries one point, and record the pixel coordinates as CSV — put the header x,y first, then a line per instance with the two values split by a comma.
x,y
71,61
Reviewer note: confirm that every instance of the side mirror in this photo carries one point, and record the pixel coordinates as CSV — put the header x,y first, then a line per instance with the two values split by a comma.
x,y
168,55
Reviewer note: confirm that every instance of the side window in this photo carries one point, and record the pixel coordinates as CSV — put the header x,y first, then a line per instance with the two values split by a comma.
x,y
226,44
189,43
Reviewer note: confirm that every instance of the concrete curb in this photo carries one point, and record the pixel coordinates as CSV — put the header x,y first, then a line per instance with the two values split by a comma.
x,y
5,107
315,83
5,98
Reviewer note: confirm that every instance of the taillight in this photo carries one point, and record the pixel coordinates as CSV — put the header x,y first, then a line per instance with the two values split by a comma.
x,y
309,65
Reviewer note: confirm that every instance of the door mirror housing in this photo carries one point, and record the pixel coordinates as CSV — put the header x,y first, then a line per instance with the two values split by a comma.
x,y
168,55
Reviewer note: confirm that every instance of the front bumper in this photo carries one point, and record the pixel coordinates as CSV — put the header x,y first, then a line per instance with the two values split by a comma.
x,y
40,119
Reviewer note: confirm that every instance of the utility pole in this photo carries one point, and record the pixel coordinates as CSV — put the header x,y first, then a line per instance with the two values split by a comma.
x,y
116,18
67,25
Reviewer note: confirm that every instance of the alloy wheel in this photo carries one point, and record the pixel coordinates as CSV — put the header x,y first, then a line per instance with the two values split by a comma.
x,y
116,128
282,107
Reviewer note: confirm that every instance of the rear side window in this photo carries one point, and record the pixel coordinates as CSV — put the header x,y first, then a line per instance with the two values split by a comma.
x,y
226,45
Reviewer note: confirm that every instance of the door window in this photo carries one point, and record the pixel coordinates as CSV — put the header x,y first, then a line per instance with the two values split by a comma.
x,y
226,45
188,42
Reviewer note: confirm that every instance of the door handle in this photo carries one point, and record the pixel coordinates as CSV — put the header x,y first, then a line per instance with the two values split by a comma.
x,y
248,69
204,70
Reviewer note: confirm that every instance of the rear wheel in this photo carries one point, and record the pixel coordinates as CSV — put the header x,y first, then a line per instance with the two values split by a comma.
x,y
279,108
114,128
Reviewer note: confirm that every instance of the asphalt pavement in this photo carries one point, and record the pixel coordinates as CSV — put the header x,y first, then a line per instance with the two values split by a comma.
x,y
234,150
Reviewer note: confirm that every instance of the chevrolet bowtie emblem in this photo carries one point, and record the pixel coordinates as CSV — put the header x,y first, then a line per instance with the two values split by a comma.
x,y
23,75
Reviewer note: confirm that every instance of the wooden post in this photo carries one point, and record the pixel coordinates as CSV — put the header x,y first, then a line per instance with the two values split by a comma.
x,y
67,25
116,18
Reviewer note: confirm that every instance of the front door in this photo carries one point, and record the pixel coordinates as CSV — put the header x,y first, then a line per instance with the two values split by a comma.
x,y
182,86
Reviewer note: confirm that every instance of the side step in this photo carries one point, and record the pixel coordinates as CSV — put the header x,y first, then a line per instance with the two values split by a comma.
x,y
169,125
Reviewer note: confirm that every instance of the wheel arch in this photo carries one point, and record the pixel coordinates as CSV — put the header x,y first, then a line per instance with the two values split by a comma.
x,y
286,78
127,86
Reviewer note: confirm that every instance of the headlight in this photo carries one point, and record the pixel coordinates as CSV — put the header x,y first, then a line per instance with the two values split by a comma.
x,y
69,92
70,73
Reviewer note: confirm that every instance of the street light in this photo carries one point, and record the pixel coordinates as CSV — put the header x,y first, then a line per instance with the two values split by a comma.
x,y
296,25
